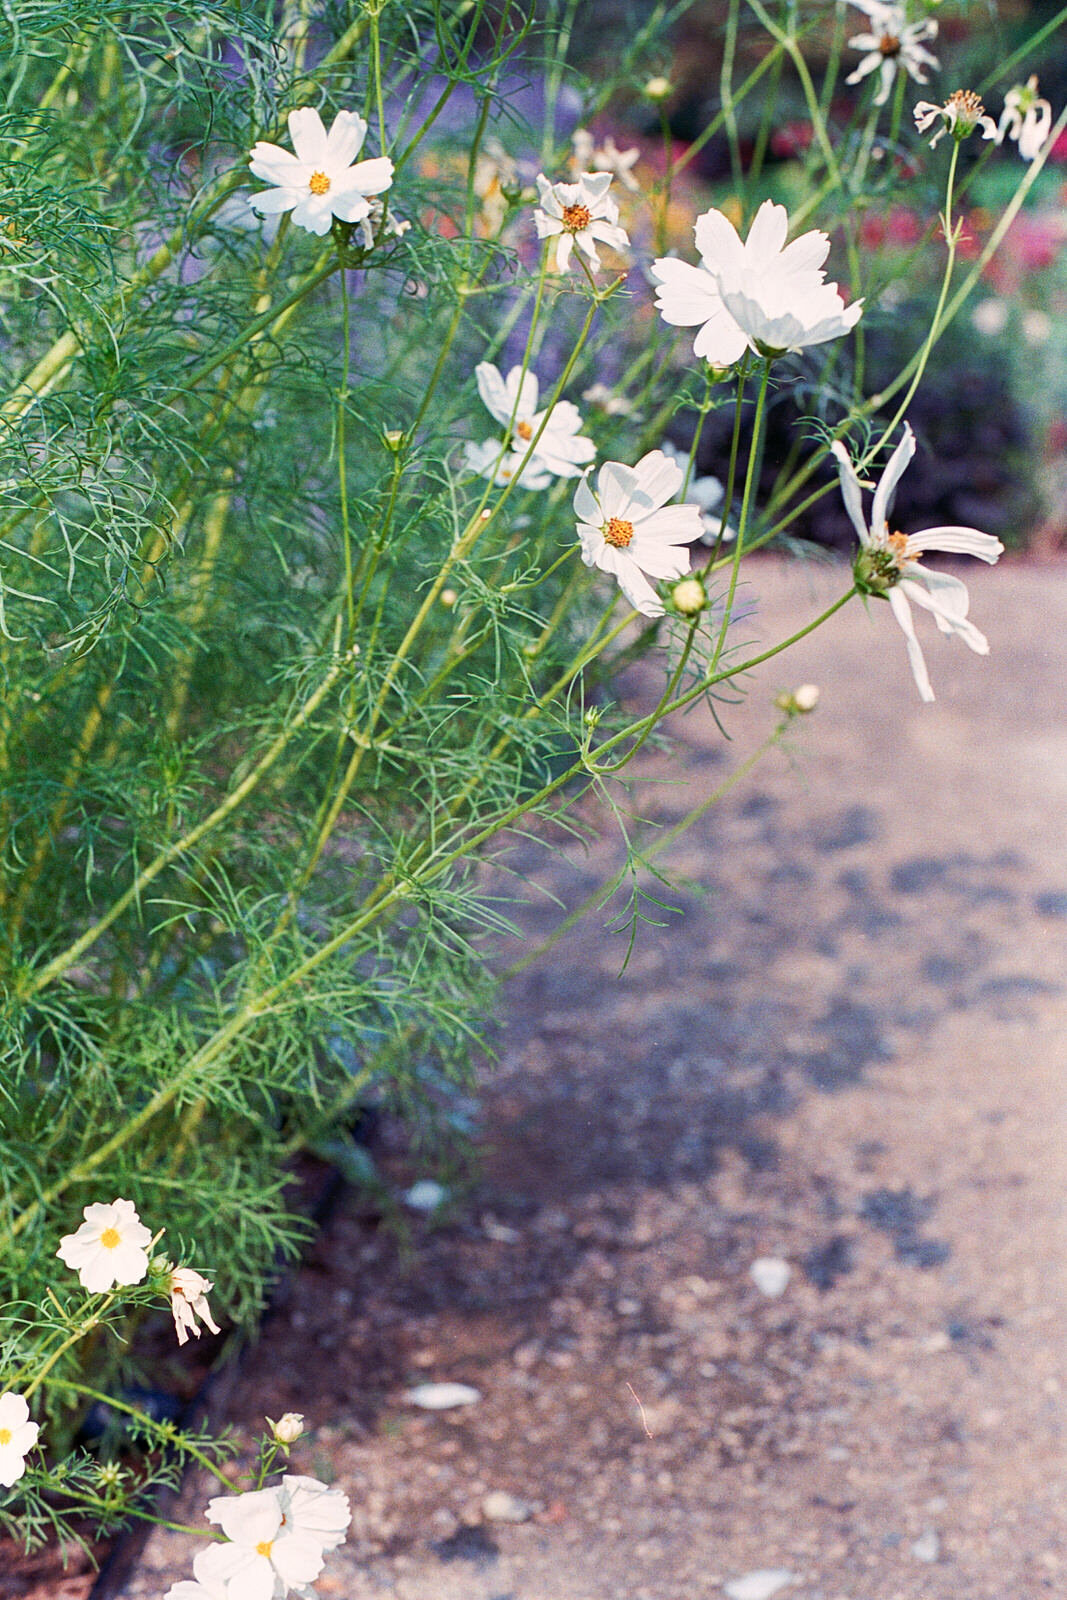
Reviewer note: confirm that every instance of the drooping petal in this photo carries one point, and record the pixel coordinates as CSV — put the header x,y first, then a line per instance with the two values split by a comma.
x,y
894,471
309,137
958,542
564,247
942,598
492,389
345,139
850,491
902,611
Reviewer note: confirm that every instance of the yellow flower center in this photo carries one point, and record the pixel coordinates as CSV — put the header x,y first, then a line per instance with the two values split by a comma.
x,y
524,430
111,1238
966,105
898,548
264,1548
619,532
575,218
889,44
319,183
5,1437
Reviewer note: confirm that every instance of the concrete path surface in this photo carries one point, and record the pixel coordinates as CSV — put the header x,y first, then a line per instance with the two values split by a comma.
x,y
849,1055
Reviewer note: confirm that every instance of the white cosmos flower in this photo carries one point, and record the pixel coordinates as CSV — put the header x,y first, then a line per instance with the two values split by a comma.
x,y
18,1435
892,43
580,213
188,1300
109,1247
627,528
561,451
1026,118
887,564
961,113
320,181
762,295
267,1556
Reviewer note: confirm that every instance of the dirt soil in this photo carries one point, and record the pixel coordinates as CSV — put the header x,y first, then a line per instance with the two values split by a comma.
x,y
848,1053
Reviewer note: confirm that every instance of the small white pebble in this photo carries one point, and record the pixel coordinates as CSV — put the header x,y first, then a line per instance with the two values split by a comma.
x,y
770,1274
441,1396
759,1585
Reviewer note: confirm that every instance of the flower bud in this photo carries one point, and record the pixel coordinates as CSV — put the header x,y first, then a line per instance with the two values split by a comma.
x,y
393,440
806,696
658,89
689,596
287,1429
448,598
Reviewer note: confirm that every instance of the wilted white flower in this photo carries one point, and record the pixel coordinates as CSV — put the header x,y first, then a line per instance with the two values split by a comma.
x,y
762,295
109,1247
320,181
1026,118
495,172
961,113
580,213
628,529
288,1428
188,1300
892,43
585,157
887,566
18,1435
561,451
370,227
278,1538
707,492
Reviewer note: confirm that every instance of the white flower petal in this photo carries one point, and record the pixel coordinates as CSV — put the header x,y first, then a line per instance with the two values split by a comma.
x,y
902,612
366,177
616,485
308,137
270,201
894,471
958,542
586,506
275,165
634,585
345,139
850,491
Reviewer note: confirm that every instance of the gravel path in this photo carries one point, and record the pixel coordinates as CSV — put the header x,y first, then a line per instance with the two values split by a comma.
x,y
849,1055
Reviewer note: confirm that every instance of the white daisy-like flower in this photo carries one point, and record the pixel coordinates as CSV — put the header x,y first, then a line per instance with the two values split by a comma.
x,y
585,157
267,1554
762,295
892,43
707,492
188,1300
109,1248
18,1435
561,451
1026,118
960,115
887,564
627,528
322,180
580,213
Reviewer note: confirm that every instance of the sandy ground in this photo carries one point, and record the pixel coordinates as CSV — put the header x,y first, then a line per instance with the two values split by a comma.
x,y
849,1053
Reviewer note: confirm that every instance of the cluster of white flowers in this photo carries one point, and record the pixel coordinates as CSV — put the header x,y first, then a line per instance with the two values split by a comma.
x,y
277,1541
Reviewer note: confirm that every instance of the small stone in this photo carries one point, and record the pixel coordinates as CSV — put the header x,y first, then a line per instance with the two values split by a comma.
x,y
499,1232
425,1196
758,1585
927,1546
770,1274
499,1506
627,1307
441,1396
